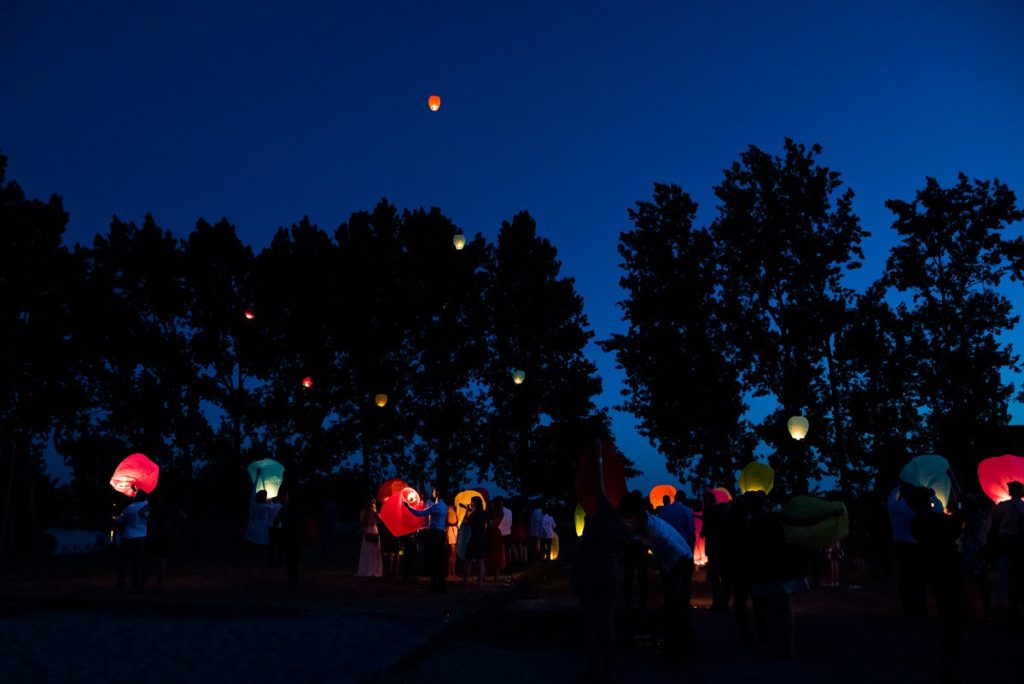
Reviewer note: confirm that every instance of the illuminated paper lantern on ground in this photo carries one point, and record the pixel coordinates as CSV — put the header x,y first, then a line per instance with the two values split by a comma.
x,y
267,475
134,473
798,427
659,492
389,489
466,498
614,473
380,399
397,518
307,382
929,471
814,523
700,557
721,495
434,102
757,477
995,474
459,241
518,377
580,518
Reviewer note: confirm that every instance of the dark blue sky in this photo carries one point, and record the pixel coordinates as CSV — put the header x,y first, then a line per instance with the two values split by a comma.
x,y
567,109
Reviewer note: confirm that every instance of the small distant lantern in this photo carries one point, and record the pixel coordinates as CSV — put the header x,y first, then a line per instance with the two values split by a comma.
x,y
380,399
250,314
459,241
307,382
434,102
518,376
798,426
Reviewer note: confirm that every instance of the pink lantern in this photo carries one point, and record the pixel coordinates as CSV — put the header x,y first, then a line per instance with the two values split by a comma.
x,y
721,495
659,492
134,473
397,518
700,557
995,473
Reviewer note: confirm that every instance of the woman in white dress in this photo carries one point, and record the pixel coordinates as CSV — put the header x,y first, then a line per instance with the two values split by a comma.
x,y
369,549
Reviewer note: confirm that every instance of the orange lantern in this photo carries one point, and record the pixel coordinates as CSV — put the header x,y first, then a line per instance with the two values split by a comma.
x,y
659,492
134,473
380,400
434,102
307,382
995,474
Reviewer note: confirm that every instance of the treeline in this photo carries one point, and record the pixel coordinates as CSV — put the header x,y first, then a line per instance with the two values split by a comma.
x,y
758,304
205,355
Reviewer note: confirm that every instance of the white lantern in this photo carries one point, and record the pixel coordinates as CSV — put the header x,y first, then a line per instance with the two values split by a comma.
x,y
518,376
798,426
459,241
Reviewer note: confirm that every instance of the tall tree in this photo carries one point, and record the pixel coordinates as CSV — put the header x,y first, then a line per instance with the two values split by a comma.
x,y
540,426
682,381
784,236
951,258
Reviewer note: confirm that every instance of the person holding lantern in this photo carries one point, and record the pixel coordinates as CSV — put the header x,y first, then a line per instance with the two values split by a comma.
x,y
434,537
1007,540
134,517
476,549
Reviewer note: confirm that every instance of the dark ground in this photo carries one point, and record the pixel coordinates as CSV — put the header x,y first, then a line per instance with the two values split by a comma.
x,y
217,619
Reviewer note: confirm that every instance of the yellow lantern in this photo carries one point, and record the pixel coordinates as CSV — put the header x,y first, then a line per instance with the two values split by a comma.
x,y
580,518
757,477
459,241
518,376
798,426
434,102
380,400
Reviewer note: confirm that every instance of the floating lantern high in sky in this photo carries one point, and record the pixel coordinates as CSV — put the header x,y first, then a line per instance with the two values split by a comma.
x,y
995,474
798,427
397,518
380,399
929,471
267,474
134,473
434,102
814,523
757,477
518,377
307,382
659,492
249,314
459,241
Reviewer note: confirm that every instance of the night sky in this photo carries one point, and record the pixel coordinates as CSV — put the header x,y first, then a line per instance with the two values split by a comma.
x,y
570,110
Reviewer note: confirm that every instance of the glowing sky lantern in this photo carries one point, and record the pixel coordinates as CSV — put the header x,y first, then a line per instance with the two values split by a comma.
x,y
995,473
459,241
798,427
267,474
700,556
814,523
389,489
580,518
614,473
380,399
757,477
307,382
721,495
553,555
518,377
397,518
134,473
929,471
249,314
659,492
465,497
434,102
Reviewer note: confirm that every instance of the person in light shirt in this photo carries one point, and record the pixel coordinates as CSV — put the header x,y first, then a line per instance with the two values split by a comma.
x,y
133,541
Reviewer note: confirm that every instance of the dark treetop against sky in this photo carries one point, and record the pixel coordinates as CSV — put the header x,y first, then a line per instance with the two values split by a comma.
x,y
570,110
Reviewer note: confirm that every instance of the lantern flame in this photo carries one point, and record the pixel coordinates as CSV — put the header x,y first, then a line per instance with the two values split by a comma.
x,y
434,102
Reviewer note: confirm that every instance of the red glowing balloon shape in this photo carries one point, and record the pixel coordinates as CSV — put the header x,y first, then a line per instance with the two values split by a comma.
x,y
134,473
397,518
250,314
721,495
700,557
389,489
995,474
586,476
307,382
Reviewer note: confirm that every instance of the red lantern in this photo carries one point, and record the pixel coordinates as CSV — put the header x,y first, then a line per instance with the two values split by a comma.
x,y
659,492
397,518
250,314
389,489
613,470
700,556
995,473
434,102
134,473
307,382
721,495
